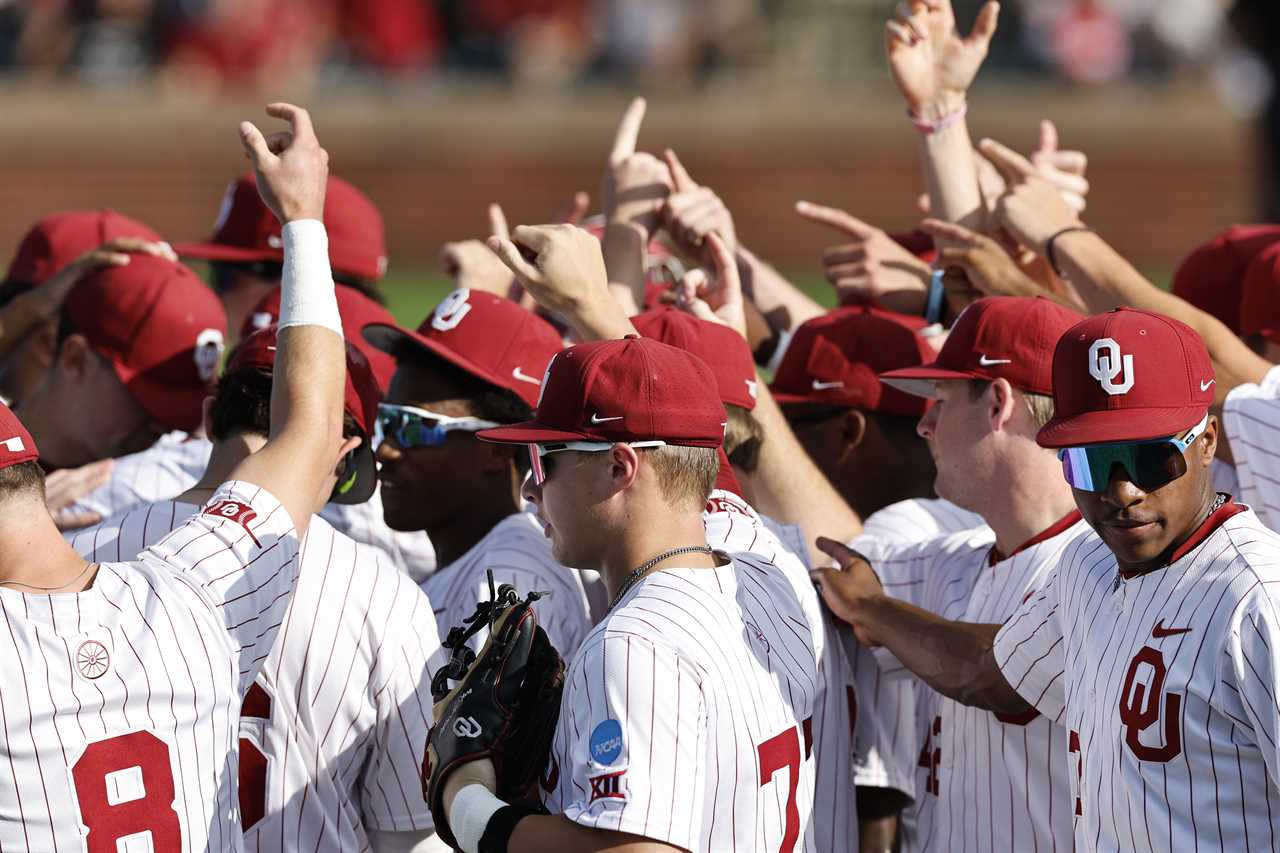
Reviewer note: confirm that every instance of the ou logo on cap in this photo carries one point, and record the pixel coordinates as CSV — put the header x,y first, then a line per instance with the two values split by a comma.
x,y
451,310
1106,363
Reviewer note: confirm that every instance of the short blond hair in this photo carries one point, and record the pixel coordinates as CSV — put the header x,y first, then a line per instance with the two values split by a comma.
x,y
1039,406
685,474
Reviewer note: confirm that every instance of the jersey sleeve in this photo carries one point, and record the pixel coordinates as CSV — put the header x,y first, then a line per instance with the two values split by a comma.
x,y
1030,650
1249,670
1251,415
634,747
240,553
391,781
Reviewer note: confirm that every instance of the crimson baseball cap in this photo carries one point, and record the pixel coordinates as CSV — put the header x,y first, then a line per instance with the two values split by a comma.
x,y
492,338
1127,375
636,389
836,359
361,397
16,444
1260,302
356,311
160,327
246,230
998,337
1212,276
59,238
723,349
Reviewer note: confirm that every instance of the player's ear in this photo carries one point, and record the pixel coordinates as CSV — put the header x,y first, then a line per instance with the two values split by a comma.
x,y
1207,446
853,430
1000,402
624,465
74,359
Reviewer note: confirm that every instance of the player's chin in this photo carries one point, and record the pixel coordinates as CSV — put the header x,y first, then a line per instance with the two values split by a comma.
x,y
1135,544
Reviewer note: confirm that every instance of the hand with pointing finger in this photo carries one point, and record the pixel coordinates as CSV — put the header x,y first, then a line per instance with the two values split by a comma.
x,y
851,591
985,263
1031,209
931,64
635,184
560,265
872,268
473,265
291,167
692,212
718,301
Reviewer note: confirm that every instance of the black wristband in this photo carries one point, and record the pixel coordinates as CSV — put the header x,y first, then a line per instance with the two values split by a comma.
x,y
497,832
1048,246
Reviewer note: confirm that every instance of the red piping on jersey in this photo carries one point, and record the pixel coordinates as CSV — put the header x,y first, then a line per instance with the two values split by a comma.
x,y
994,556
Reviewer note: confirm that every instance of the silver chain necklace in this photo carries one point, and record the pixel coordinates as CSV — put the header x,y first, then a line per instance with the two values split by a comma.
x,y
643,569
86,568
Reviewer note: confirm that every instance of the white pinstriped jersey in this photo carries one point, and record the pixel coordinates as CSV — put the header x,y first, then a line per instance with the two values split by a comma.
x,y
684,717
177,461
120,705
1167,684
985,782
734,527
887,743
519,553
333,731
1251,415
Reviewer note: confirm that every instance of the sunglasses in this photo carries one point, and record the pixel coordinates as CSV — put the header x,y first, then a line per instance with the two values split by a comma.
x,y
1149,464
538,452
412,427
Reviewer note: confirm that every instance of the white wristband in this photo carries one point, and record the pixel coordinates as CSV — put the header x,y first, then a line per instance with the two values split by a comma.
x,y
306,284
469,814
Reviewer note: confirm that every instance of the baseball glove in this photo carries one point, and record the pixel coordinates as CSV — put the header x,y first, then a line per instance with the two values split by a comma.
x,y
504,706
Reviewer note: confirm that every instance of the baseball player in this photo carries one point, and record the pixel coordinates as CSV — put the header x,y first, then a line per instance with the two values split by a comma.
x,y
139,345
245,248
683,723
55,242
1152,640
333,729
174,463
121,734
990,385
475,362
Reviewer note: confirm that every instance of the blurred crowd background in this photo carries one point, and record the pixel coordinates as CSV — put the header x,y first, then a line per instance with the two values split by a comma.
x,y
243,44
437,107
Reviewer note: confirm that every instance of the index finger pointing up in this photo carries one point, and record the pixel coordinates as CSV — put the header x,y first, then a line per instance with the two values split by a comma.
x,y
624,141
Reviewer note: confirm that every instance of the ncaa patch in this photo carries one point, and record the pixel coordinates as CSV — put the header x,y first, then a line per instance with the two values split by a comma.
x,y
240,513
606,742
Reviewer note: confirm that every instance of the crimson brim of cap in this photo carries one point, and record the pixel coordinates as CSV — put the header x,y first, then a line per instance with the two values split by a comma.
x,y
784,398
1118,425
920,381
174,406
532,432
390,339
221,252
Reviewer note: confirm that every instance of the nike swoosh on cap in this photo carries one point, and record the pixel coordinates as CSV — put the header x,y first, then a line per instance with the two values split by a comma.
x,y
823,386
988,362
524,377
1204,386
596,419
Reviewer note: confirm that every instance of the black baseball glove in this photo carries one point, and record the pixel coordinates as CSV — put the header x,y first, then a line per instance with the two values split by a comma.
x,y
504,706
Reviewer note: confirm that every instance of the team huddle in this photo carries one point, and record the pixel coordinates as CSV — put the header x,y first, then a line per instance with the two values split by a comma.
x,y
630,544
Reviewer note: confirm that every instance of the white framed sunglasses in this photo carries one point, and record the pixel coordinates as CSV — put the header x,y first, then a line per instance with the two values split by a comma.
x,y
537,451
414,427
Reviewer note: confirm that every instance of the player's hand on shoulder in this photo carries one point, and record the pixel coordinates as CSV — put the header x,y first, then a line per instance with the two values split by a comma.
x,y
291,167
850,589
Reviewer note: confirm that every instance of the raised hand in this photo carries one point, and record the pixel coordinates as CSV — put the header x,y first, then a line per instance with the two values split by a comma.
x,y
692,212
291,167
560,265
1031,209
1064,169
473,265
849,589
635,184
871,268
987,267
930,62
718,301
